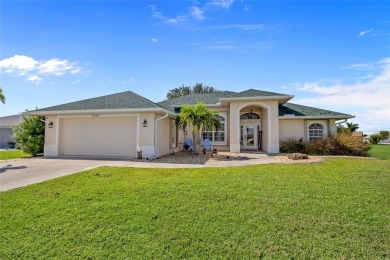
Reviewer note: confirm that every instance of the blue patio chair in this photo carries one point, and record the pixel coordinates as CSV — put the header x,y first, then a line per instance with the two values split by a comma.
x,y
207,145
188,146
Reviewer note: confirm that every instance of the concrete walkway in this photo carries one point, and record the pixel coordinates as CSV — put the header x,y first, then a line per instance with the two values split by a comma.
x,y
22,172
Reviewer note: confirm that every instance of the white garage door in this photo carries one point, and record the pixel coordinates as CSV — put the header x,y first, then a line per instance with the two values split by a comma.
x,y
98,136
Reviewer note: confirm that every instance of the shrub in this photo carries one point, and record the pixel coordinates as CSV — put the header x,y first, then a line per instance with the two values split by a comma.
x,y
292,145
338,144
30,134
375,139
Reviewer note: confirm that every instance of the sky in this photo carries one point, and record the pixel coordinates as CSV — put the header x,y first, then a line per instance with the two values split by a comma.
x,y
333,55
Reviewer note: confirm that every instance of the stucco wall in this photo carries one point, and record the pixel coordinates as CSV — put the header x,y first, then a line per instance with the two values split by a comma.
x,y
162,137
292,128
270,124
51,146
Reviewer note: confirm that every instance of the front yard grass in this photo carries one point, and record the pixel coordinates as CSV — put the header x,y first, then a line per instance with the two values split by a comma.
x,y
381,151
12,154
338,209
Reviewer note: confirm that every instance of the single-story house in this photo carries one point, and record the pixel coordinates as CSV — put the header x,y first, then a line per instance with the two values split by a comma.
x,y
121,124
6,132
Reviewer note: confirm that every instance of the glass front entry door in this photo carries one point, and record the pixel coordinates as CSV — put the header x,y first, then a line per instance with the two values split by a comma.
x,y
249,136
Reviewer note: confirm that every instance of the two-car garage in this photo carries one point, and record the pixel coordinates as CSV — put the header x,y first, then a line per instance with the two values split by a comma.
x,y
98,136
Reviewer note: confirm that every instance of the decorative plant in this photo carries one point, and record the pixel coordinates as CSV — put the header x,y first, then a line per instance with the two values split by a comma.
x,y
198,117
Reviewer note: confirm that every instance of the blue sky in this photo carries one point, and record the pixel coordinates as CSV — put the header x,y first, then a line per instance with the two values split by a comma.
x,y
332,55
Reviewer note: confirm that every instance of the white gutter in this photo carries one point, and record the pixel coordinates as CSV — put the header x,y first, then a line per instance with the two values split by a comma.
x,y
154,156
344,121
316,117
98,111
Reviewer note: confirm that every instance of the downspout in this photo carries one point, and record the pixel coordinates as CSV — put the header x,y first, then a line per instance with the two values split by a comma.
x,y
154,156
344,121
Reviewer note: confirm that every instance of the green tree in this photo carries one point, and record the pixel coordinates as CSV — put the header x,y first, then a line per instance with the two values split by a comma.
x,y
352,127
375,139
30,134
186,90
342,129
2,97
198,117
384,135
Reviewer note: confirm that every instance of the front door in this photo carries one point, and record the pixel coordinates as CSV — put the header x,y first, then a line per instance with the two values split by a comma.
x,y
249,136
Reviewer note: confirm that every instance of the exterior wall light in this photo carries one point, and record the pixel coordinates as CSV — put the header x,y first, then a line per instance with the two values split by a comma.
x,y
50,124
145,123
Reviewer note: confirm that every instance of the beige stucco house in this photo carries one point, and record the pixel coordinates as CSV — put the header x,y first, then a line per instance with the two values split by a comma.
x,y
121,124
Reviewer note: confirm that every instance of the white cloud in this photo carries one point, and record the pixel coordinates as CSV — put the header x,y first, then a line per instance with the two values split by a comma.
x,y
154,40
246,7
34,78
197,12
167,20
362,33
18,63
368,100
34,70
361,66
221,3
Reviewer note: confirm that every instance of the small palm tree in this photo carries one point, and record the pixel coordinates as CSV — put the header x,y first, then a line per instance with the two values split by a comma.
x,y
2,97
199,117
352,127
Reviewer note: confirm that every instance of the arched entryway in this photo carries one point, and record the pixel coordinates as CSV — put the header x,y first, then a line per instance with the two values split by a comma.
x,y
251,133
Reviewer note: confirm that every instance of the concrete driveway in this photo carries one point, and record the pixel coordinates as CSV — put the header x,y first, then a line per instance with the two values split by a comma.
x,y
22,172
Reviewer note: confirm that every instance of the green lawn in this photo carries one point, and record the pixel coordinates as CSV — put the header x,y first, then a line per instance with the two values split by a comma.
x,y
381,151
338,209
12,154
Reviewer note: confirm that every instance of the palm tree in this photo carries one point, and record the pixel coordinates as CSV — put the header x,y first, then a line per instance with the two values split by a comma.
x,y
2,97
198,117
353,127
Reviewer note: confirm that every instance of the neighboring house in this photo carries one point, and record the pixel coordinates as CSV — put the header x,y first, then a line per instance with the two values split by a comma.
x,y
6,124
121,124
358,134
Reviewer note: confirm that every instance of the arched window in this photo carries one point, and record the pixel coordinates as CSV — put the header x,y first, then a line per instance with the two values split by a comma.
x,y
249,116
219,135
316,131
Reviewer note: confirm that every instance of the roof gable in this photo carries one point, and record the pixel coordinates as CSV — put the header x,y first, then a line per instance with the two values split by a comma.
x,y
193,99
123,100
258,93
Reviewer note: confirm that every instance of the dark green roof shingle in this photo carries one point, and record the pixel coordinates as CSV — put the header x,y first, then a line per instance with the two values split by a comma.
x,y
257,93
299,110
193,99
123,100
213,98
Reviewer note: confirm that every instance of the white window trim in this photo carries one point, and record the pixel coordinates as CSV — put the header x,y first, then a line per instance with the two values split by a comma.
x,y
224,115
324,128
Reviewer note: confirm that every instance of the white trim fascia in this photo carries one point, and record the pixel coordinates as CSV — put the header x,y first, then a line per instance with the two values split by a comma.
x,y
99,111
316,117
212,105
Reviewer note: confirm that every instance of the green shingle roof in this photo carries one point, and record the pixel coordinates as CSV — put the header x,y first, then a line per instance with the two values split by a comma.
x,y
299,110
131,100
193,99
257,93
213,98
123,100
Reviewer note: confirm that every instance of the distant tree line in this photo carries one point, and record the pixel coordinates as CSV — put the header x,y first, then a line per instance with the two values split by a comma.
x,y
186,90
